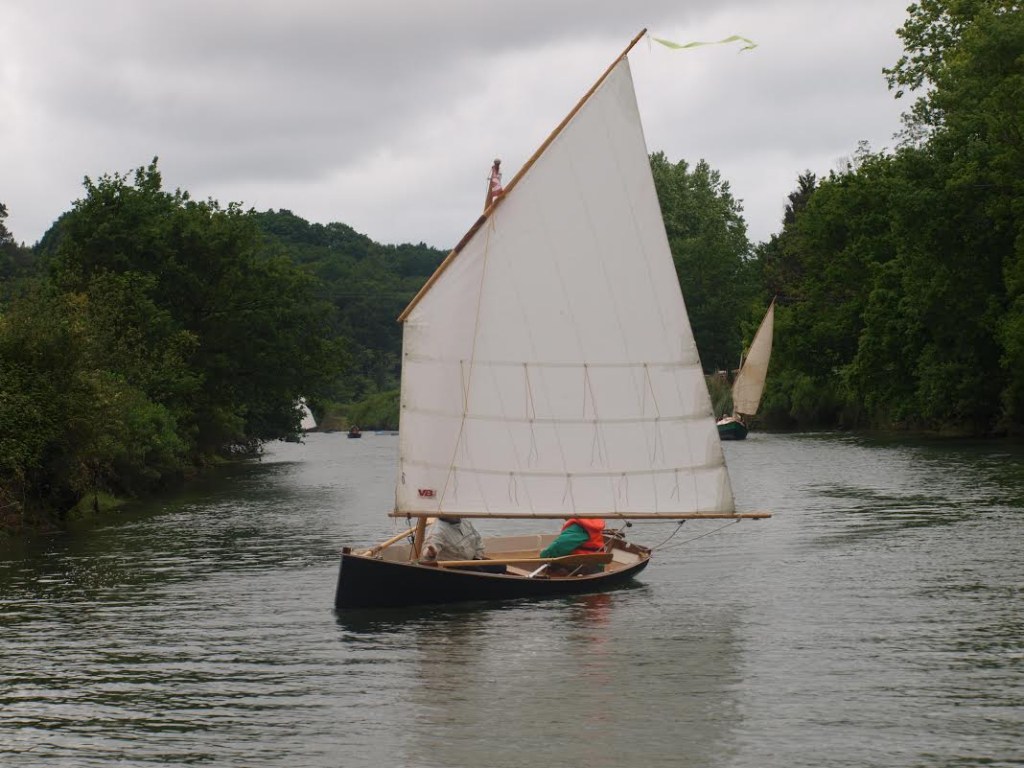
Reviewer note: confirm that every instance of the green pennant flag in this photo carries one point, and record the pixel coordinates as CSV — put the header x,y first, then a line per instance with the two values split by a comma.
x,y
750,44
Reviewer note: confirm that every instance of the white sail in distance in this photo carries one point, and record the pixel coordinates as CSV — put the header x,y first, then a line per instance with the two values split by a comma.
x,y
308,419
749,384
549,368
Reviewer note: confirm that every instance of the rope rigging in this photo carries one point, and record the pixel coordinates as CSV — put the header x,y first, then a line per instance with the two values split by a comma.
x,y
679,544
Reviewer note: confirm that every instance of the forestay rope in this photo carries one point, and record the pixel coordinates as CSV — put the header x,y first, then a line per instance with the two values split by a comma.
x,y
679,544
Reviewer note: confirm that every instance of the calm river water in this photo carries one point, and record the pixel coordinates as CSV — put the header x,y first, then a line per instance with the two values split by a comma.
x,y
876,620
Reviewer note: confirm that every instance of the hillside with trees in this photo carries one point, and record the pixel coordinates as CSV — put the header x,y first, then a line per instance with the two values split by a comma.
x,y
148,335
367,283
901,278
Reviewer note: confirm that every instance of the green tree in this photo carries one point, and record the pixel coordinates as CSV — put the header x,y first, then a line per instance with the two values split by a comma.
x,y
68,424
966,59
6,239
246,321
833,237
39,354
901,275
708,239
15,260
368,284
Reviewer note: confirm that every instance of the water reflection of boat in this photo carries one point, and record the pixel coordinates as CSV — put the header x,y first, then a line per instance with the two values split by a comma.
x,y
539,380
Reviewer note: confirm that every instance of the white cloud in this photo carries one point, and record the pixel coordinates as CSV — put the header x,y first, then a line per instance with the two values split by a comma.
x,y
386,115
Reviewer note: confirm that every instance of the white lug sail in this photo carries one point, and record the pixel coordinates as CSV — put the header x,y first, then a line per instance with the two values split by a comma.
x,y
549,368
749,384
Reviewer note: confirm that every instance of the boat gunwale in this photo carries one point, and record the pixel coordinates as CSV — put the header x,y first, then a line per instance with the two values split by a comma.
x,y
754,515
642,558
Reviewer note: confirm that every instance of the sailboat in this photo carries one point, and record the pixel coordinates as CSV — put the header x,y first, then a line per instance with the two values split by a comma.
x,y
749,384
308,421
548,372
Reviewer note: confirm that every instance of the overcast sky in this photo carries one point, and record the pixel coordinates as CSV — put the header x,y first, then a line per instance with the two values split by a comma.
x,y
386,114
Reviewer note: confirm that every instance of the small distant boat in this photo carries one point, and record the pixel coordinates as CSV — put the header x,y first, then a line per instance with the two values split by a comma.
x,y
749,384
308,420
355,432
549,371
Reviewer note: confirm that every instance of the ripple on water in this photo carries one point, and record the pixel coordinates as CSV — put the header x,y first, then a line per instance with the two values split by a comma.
x,y
874,621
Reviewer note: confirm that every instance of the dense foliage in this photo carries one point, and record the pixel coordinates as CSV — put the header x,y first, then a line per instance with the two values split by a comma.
x,y
15,261
902,278
147,334
368,284
708,238
162,333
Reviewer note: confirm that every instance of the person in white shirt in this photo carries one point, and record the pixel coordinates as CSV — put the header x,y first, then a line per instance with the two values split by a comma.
x,y
452,538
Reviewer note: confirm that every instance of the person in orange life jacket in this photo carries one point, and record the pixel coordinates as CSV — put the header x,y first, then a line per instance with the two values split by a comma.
x,y
580,535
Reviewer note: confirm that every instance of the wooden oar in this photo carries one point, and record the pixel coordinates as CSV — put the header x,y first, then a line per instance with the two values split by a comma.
x,y
385,544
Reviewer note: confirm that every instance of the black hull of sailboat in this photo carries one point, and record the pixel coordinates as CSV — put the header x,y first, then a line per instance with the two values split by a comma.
x,y
365,582
732,430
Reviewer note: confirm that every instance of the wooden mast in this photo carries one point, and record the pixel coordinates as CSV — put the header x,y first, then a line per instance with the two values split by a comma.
x,y
515,179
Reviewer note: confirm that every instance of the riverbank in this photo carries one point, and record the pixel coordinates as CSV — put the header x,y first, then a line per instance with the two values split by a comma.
x,y
23,519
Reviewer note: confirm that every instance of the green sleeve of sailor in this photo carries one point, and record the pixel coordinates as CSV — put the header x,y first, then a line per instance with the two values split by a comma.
x,y
567,541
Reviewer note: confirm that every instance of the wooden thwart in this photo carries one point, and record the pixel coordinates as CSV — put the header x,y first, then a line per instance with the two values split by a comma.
x,y
566,561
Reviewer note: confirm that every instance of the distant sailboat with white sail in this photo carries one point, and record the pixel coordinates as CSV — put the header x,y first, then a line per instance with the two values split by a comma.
x,y
749,384
308,421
